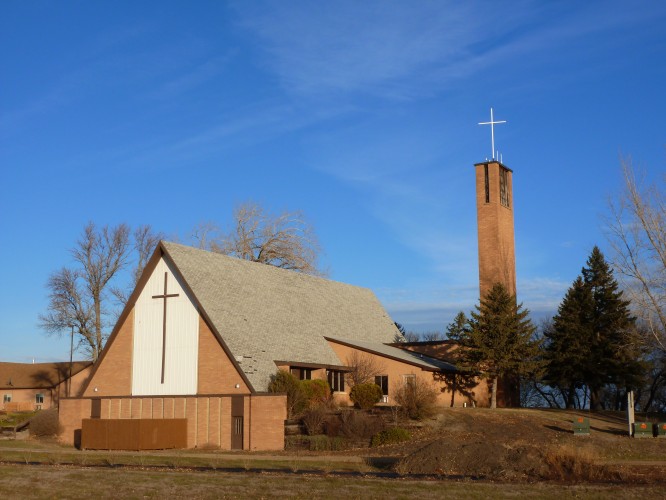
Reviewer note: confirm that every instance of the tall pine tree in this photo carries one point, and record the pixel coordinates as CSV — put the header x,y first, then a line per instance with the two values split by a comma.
x,y
593,341
568,342
615,350
499,340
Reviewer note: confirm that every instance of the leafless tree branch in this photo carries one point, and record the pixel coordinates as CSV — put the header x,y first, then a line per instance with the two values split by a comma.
x,y
286,241
637,233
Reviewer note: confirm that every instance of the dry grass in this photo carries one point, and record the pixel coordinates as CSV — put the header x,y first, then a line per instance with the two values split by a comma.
x,y
574,463
69,482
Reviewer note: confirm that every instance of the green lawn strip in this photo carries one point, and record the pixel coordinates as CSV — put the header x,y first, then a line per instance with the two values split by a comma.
x,y
14,419
72,482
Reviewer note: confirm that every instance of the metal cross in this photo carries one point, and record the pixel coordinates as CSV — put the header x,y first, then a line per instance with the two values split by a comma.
x,y
492,124
164,296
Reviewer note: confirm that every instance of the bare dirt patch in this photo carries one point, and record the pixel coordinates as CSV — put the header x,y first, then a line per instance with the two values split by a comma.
x,y
517,445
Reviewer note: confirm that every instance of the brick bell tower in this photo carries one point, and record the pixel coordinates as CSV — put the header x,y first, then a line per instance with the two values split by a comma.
x,y
494,213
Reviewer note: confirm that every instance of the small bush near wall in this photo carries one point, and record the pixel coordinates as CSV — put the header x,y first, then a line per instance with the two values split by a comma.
x,y
390,436
313,419
365,396
332,425
417,399
45,423
283,381
315,392
359,425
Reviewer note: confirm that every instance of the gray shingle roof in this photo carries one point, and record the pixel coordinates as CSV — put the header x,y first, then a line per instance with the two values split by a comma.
x,y
411,357
266,314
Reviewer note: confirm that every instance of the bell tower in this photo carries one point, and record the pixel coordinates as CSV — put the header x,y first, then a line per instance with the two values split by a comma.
x,y
494,215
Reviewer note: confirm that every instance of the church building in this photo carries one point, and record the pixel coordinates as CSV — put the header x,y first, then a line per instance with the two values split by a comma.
x,y
203,333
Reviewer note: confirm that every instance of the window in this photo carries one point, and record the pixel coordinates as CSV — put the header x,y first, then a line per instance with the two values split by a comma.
x,y
485,170
302,373
336,380
7,398
382,382
39,399
410,380
504,187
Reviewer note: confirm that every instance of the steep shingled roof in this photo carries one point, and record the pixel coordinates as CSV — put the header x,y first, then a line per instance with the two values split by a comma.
x,y
265,314
37,375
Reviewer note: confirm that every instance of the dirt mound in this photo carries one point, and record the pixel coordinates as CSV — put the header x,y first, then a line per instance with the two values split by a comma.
x,y
509,447
518,445
477,459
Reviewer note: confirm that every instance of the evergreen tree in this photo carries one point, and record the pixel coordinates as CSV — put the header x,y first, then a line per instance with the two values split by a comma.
x,y
499,339
594,341
457,328
568,342
615,346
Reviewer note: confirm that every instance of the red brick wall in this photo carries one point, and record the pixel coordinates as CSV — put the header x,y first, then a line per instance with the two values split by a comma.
x,y
70,414
217,374
208,417
267,416
396,371
497,260
114,373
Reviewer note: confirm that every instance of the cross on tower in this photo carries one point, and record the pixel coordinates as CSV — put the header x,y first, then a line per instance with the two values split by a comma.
x,y
164,296
492,124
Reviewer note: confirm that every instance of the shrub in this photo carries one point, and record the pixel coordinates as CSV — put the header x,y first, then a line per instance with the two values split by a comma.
x,y
315,392
332,426
45,423
417,398
365,396
283,381
358,425
313,419
390,436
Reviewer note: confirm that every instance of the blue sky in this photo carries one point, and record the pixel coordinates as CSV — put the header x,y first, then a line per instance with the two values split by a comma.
x,y
361,114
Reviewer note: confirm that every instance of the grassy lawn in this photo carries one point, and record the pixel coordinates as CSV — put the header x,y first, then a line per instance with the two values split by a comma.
x,y
30,452
454,429
72,482
13,419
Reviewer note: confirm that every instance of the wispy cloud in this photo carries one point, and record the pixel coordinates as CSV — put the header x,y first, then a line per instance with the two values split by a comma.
x,y
395,50
188,79
433,307
368,46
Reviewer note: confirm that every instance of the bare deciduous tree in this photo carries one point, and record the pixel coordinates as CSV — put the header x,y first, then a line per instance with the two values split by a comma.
x,y
145,241
286,240
79,296
637,233
204,233
364,368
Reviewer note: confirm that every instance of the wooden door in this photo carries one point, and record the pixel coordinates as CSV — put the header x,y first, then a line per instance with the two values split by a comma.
x,y
237,424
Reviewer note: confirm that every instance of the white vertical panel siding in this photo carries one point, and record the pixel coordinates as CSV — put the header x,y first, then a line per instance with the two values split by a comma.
x,y
182,339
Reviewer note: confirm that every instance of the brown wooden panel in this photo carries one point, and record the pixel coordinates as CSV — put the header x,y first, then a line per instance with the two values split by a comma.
x,y
94,434
160,434
133,434
123,434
